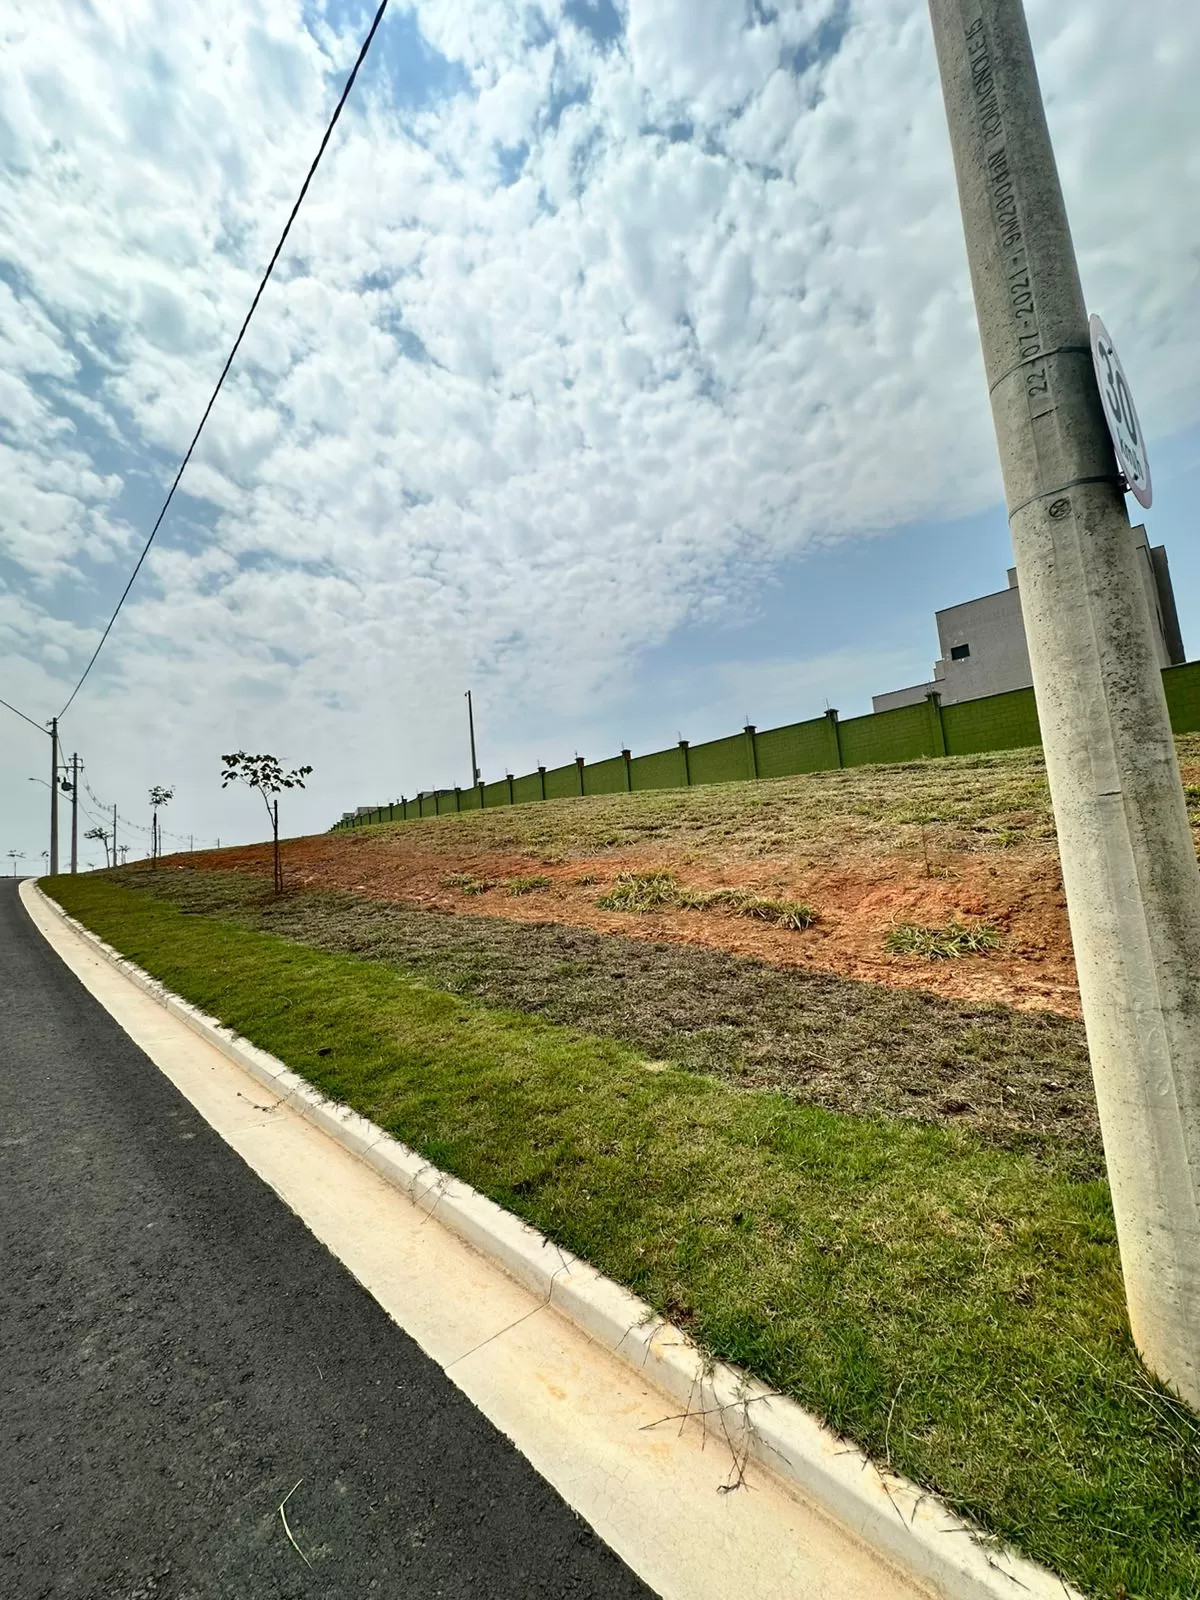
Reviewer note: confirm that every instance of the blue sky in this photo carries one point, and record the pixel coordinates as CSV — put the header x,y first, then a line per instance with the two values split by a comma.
x,y
622,367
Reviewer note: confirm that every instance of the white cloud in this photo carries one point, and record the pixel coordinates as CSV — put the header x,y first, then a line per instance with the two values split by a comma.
x,y
550,364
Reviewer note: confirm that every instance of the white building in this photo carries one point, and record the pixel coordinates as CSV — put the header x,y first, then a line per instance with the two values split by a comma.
x,y
983,641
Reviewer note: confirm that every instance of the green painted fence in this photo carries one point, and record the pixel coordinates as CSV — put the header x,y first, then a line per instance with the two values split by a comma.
x,y
606,777
721,760
562,782
527,788
908,733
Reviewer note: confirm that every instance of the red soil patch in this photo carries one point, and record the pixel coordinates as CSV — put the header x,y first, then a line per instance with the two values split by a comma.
x,y
1019,892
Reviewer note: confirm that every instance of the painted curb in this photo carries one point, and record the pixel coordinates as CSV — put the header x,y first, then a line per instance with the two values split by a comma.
x,y
901,1522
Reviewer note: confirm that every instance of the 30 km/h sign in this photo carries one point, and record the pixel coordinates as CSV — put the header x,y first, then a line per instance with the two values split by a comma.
x,y
1128,440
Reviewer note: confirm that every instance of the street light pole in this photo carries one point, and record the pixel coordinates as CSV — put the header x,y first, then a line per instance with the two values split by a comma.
x,y
1128,862
471,725
53,796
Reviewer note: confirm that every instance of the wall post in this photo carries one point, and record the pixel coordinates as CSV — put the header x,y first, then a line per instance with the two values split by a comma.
x,y
751,749
628,758
579,764
937,728
509,780
835,737
457,797
542,780
687,766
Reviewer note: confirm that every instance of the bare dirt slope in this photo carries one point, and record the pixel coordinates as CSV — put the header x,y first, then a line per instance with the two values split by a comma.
x,y
967,840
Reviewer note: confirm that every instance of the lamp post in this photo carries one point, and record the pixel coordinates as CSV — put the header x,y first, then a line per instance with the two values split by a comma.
x,y
471,725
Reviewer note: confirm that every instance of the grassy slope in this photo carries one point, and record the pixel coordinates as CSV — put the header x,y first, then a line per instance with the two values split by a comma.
x,y
1000,798
1018,1080
993,801
955,1308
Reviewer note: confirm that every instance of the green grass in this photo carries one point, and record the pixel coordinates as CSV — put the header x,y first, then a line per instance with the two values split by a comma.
x,y
942,944
1018,1080
904,1282
988,803
978,802
654,891
465,883
536,884
641,891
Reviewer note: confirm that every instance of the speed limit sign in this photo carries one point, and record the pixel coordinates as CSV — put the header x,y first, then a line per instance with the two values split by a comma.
x,y
1128,440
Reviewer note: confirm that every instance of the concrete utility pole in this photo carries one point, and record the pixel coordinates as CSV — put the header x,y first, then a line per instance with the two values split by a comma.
x,y
1128,862
75,812
53,795
114,836
471,725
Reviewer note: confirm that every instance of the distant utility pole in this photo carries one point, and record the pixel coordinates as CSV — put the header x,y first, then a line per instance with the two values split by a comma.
x,y
471,725
53,796
75,812
114,841
51,730
1128,862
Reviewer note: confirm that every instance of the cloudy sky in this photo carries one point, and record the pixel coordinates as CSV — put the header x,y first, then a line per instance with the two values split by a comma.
x,y
621,367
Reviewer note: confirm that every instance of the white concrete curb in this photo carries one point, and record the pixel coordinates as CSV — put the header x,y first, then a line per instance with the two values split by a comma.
x,y
900,1521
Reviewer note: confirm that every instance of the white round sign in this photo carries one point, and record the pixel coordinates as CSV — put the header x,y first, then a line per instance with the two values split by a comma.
x,y
1129,442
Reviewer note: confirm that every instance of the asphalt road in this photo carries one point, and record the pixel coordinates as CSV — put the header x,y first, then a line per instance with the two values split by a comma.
x,y
177,1350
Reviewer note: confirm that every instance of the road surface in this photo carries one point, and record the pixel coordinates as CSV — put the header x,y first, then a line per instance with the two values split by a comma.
x,y
177,1351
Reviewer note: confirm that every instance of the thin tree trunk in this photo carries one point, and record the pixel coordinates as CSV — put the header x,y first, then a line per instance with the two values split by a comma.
x,y
278,867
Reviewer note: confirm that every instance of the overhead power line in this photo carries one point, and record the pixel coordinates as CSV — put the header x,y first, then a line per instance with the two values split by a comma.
x,y
128,822
24,718
362,55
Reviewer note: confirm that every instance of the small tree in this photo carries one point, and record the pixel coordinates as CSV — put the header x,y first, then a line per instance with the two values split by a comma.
x,y
265,774
102,835
158,797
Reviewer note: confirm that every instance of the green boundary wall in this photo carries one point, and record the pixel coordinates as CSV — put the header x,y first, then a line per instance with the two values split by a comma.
x,y
908,733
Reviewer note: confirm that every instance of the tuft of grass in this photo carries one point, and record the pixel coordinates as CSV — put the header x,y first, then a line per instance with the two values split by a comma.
x,y
641,891
537,884
955,1310
652,891
465,883
783,913
942,944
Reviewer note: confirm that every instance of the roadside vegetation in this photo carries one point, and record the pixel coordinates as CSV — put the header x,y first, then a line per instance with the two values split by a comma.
x,y
1017,1080
954,1308
651,891
942,944
977,802
994,801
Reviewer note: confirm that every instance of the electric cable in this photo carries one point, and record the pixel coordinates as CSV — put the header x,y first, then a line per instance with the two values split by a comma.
x,y
24,718
362,54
